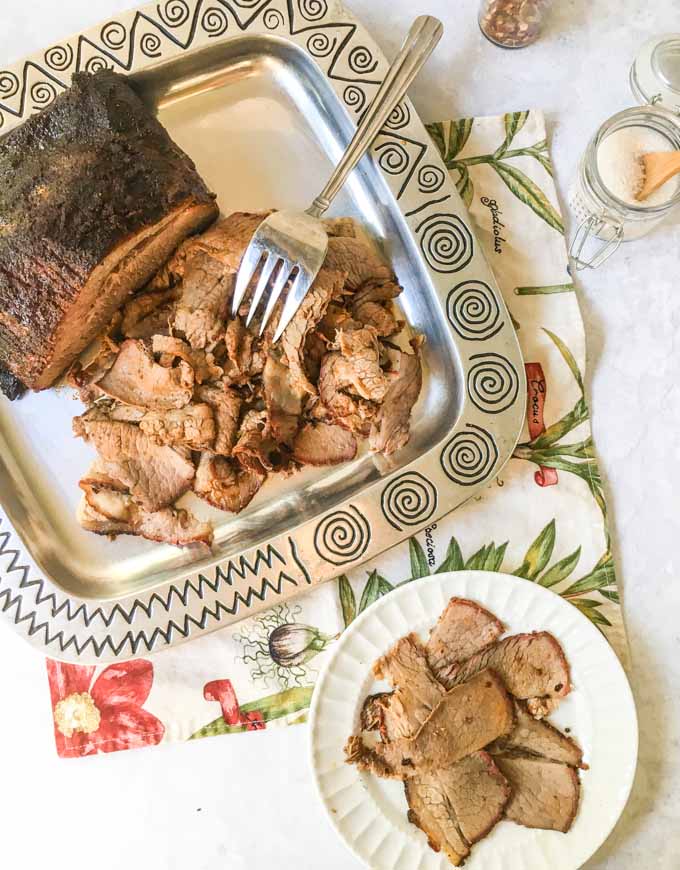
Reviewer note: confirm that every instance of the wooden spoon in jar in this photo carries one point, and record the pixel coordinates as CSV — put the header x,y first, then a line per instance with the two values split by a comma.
x,y
658,167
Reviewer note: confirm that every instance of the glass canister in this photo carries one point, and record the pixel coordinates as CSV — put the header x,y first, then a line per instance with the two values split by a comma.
x,y
606,219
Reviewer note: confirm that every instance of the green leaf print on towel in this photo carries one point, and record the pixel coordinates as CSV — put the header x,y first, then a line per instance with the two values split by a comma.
x,y
451,138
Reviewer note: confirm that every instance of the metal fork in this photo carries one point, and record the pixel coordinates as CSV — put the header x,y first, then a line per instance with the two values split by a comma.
x,y
290,246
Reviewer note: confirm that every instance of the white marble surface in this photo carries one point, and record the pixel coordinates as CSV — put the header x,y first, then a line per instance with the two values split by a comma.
x,y
247,802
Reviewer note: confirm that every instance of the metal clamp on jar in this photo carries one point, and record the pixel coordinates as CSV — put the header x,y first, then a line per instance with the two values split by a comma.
x,y
601,196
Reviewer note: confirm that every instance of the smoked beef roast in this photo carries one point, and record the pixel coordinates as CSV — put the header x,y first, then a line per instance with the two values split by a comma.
x,y
94,198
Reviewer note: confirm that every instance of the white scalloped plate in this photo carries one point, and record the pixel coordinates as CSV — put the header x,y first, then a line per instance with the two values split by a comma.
x,y
370,814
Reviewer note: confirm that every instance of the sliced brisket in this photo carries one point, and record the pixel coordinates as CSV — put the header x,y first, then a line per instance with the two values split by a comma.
x,y
463,629
544,794
532,666
226,484
537,737
155,476
429,810
323,444
467,718
192,426
94,197
136,379
392,424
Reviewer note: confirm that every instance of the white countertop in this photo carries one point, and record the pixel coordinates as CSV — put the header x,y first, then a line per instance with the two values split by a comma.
x,y
248,801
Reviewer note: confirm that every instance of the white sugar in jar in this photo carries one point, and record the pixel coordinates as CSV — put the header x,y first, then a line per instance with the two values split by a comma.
x,y
602,196
610,173
619,162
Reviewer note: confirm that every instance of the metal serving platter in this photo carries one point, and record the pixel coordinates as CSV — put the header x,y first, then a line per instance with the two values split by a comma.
x,y
264,95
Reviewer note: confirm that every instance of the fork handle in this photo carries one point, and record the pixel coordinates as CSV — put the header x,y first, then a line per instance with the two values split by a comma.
x,y
422,38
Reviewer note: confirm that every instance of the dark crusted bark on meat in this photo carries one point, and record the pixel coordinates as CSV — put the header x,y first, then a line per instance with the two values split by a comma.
x,y
77,181
10,385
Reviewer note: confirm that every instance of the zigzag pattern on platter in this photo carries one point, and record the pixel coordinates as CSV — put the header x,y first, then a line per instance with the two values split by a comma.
x,y
73,611
126,62
135,640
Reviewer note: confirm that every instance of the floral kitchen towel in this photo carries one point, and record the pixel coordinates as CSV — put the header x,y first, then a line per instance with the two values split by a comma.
x,y
544,518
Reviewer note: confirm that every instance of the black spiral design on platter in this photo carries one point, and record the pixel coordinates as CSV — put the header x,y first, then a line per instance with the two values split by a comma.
x,y
9,84
113,35
354,97
150,45
342,536
470,456
361,60
174,13
59,57
408,500
446,242
247,4
214,21
42,93
473,311
312,10
97,63
430,178
321,45
273,19
492,382
393,157
400,117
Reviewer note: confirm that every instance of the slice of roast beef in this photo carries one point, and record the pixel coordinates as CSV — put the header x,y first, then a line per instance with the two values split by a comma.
x,y
169,525
94,197
148,314
336,317
356,259
136,379
458,806
347,411
417,693
477,792
202,362
283,396
376,291
358,370
468,718
255,447
202,308
391,427
156,476
192,426
239,345
544,794
226,408
429,810
323,444
378,317
532,666
107,500
225,484
537,737
327,283
84,378
463,629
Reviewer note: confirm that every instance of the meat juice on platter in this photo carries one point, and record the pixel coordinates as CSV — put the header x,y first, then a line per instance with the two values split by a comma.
x,y
181,397
464,727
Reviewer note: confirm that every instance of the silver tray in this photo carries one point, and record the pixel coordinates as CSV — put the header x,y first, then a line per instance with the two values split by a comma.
x,y
264,95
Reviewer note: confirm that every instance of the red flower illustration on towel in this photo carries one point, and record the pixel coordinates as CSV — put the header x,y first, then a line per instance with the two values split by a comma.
x,y
223,692
105,715
536,393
